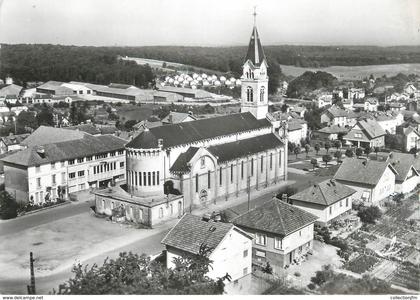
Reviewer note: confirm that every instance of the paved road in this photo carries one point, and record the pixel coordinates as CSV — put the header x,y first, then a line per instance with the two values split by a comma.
x,y
150,245
43,217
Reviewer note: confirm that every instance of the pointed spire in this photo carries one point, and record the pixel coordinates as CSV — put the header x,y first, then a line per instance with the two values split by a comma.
x,y
255,50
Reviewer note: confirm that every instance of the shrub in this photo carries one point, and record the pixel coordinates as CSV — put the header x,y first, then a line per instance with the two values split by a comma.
x,y
322,276
311,286
8,206
297,274
326,158
369,214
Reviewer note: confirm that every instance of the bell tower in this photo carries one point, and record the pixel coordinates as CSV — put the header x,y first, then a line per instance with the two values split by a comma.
x,y
254,93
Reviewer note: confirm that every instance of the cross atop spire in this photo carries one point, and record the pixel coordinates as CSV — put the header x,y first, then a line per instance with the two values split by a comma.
x,y
255,15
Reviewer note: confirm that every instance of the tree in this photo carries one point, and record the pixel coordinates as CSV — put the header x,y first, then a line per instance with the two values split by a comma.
x,y
337,144
359,152
129,124
338,155
45,116
26,119
326,158
307,149
367,150
369,214
317,148
291,146
349,153
296,151
134,274
8,206
314,162
327,146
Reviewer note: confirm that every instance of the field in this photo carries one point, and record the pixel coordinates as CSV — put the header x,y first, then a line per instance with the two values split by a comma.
x,y
356,72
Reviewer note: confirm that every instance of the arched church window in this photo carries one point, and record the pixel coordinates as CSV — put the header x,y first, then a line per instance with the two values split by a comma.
x,y
247,75
252,75
262,92
249,94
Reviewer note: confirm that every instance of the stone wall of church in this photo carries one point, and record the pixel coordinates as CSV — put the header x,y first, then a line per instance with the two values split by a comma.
x,y
212,181
145,171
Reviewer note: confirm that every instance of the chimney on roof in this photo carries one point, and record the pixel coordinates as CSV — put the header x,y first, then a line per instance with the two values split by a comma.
x,y
160,143
284,197
206,217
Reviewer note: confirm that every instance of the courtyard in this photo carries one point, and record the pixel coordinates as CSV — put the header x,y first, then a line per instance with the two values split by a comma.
x,y
58,245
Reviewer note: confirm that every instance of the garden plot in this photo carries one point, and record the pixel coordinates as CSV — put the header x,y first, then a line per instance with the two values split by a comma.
x,y
406,275
362,263
384,269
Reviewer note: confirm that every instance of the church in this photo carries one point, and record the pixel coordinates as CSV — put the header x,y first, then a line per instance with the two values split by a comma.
x,y
187,165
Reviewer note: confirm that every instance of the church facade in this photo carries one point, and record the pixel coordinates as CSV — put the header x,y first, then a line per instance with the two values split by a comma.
x,y
213,159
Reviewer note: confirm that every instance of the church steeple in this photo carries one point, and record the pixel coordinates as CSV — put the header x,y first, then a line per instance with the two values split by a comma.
x,y
255,52
254,95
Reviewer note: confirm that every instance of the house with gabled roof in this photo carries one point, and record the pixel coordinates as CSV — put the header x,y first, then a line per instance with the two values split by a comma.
x,y
282,233
366,132
327,200
373,180
228,247
338,116
407,177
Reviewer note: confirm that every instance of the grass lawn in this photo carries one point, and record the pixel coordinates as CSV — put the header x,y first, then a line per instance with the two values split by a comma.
x,y
60,244
134,112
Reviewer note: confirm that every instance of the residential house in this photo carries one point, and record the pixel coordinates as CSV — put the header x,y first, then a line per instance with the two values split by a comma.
x,y
396,106
355,93
282,233
366,132
338,116
373,180
407,177
410,137
299,110
327,200
389,120
297,130
324,100
331,133
229,247
12,142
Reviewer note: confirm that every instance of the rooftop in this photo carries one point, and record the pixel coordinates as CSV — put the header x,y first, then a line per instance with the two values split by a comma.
x,y
191,233
61,151
255,53
277,217
362,171
324,193
199,130
46,135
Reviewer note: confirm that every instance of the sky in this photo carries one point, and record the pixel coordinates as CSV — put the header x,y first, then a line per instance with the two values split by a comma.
x,y
210,22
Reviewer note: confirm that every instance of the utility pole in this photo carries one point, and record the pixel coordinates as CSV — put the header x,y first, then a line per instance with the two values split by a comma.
x,y
31,287
248,183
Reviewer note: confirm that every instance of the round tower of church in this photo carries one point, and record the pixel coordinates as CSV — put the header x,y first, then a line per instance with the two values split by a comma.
x,y
145,167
